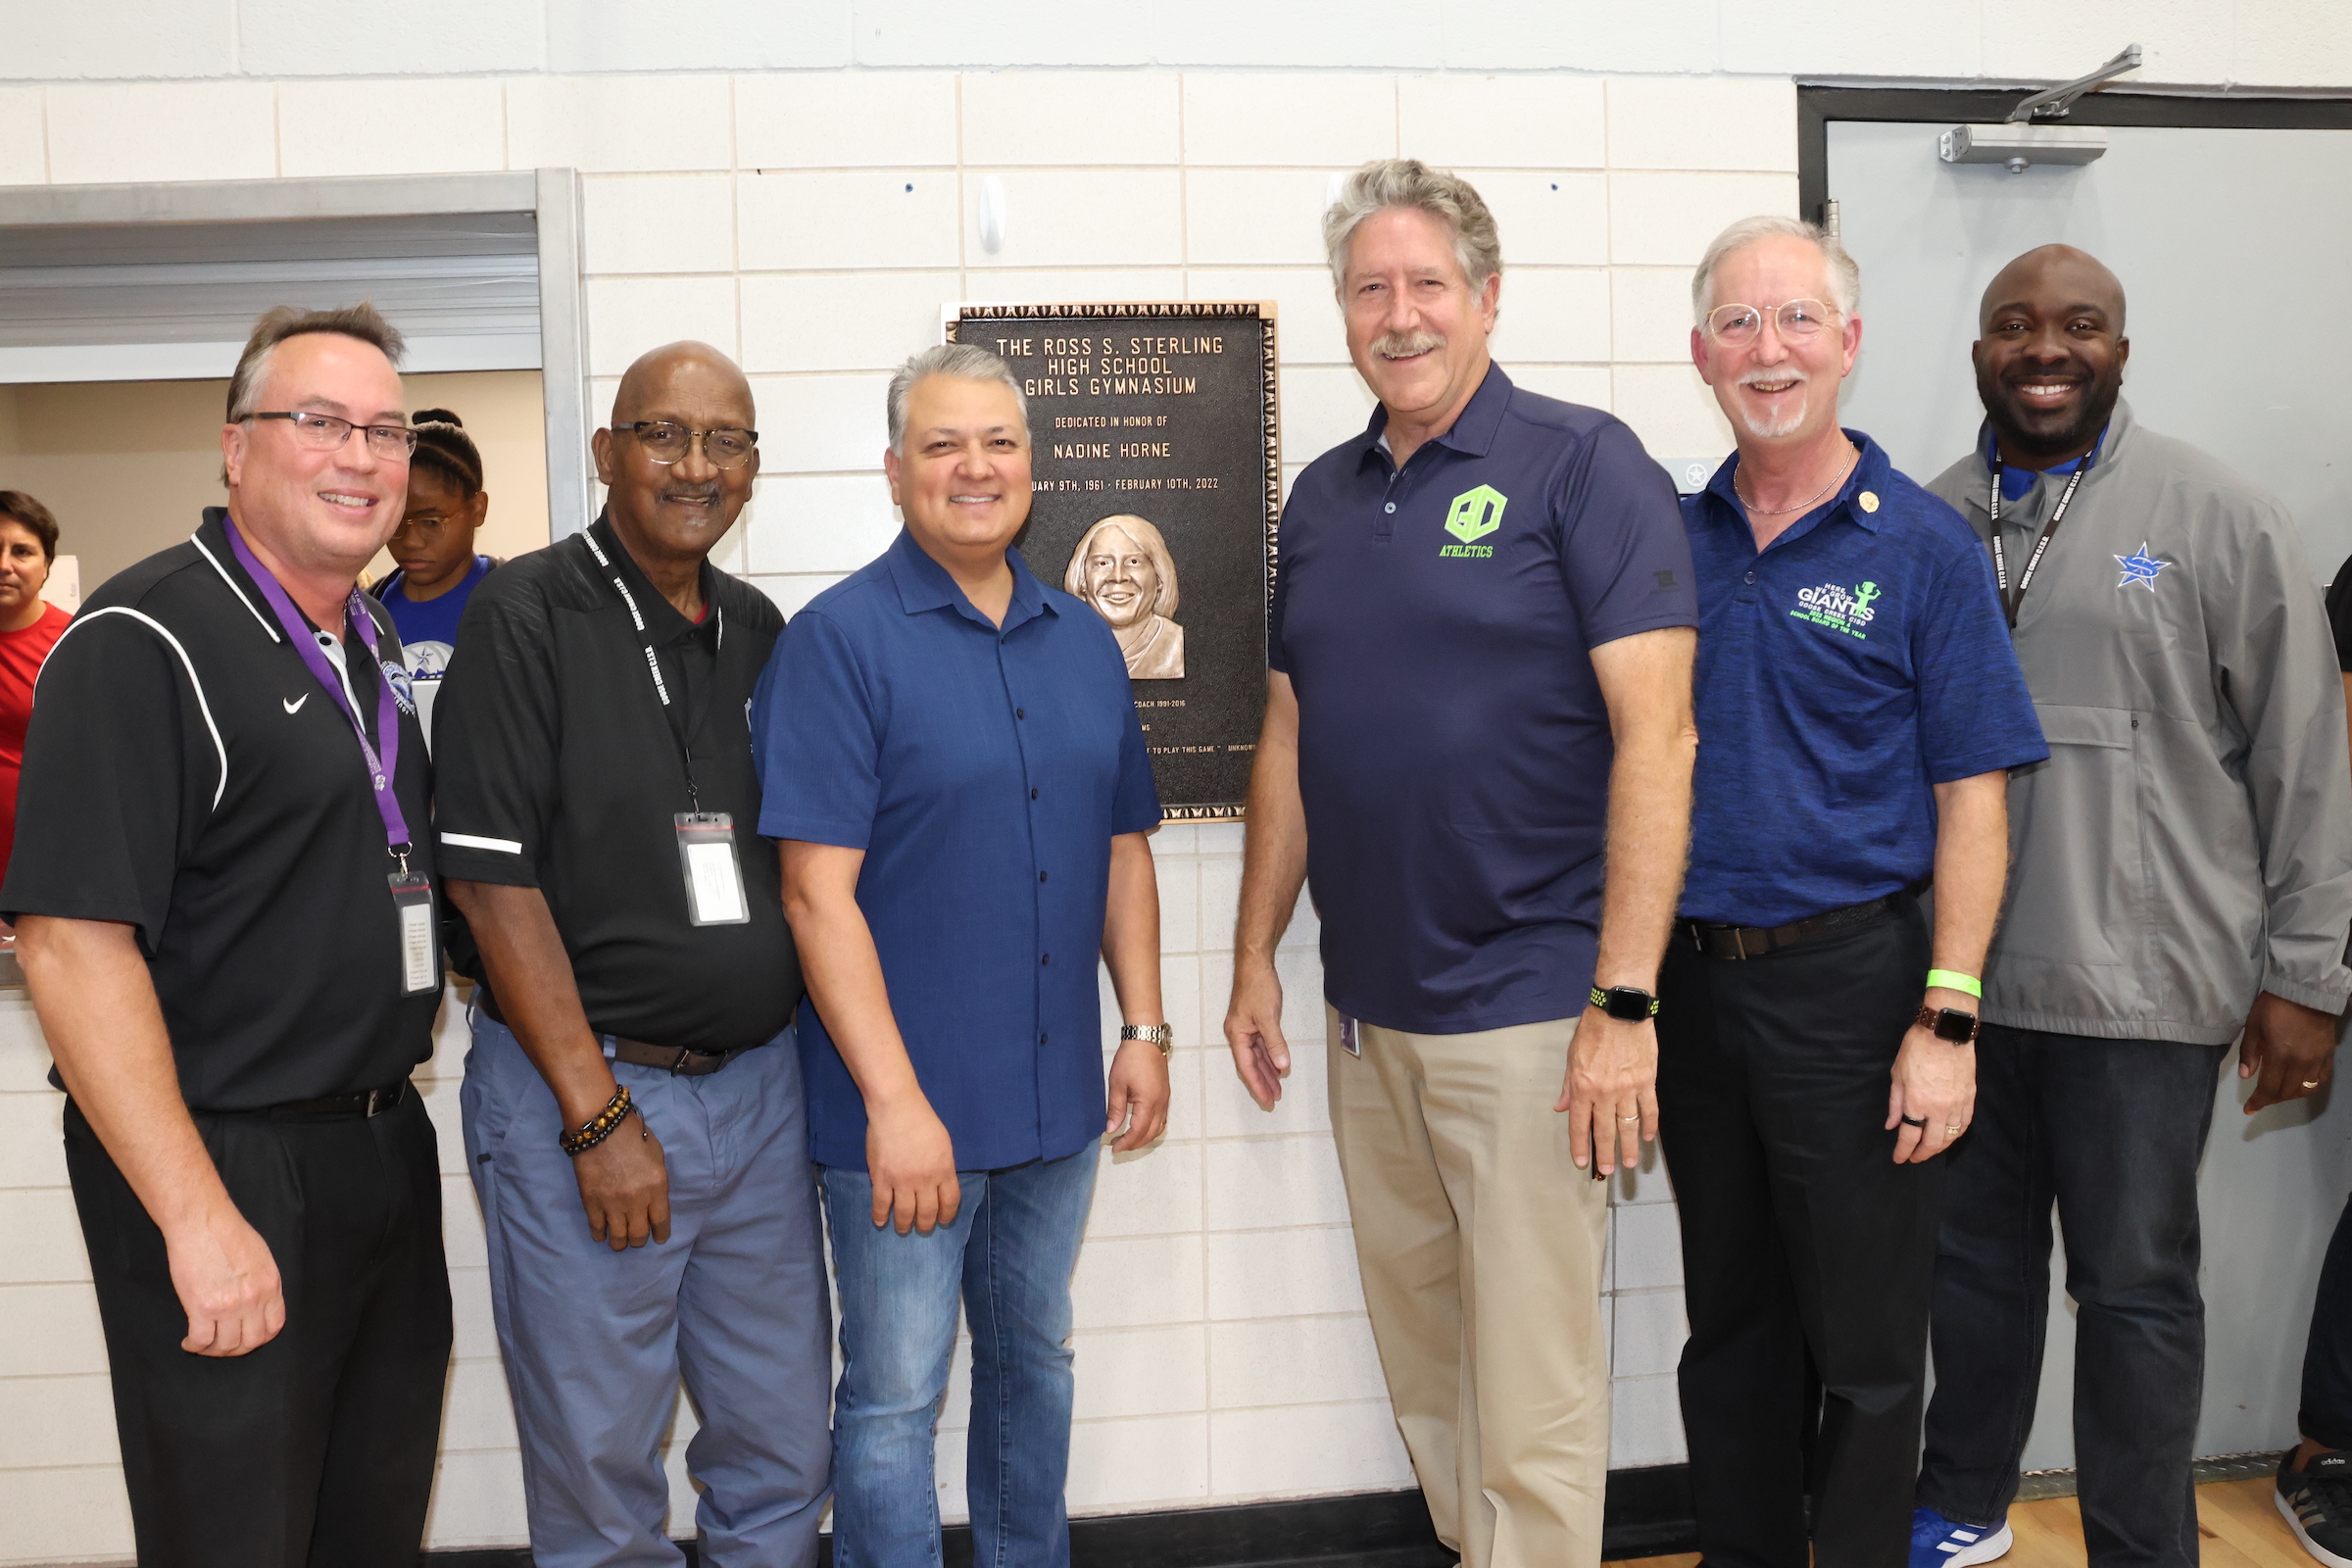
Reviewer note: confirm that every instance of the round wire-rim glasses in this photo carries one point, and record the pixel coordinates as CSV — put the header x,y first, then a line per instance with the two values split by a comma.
x,y
1738,326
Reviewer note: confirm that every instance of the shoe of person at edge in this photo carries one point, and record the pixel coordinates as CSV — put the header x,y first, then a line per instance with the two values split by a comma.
x,y
1939,1542
2316,1502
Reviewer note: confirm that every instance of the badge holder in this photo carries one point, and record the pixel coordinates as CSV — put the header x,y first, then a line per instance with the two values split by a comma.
x,y
714,876
1349,1041
413,901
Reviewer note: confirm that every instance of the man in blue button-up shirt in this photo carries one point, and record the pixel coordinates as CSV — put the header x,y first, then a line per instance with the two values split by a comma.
x,y
955,771
1859,704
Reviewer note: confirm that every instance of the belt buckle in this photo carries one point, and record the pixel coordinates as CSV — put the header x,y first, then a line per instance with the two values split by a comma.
x,y
380,1101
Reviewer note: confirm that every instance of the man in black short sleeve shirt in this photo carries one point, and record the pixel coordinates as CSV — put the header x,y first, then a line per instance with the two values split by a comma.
x,y
592,744
204,886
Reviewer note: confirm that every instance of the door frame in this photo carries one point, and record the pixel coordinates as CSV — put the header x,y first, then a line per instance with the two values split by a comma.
x,y
551,195
1819,102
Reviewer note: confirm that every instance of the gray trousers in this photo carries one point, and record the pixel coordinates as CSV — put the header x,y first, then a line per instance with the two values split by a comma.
x,y
596,1341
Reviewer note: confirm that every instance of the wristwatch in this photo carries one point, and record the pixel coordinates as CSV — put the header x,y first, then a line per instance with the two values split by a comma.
x,y
1160,1034
1949,1024
1630,1003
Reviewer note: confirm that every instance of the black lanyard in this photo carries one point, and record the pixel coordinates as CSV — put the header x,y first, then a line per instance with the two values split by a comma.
x,y
2001,558
682,725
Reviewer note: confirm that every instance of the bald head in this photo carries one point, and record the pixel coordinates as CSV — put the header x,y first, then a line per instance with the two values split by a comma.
x,y
655,377
2055,274
669,504
2049,355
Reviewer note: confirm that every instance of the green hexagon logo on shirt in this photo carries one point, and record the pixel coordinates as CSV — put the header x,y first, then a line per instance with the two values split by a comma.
x,y
1474,515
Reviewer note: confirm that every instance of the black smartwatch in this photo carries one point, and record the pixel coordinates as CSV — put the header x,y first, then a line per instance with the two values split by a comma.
x,y
1630,1003
1949,1024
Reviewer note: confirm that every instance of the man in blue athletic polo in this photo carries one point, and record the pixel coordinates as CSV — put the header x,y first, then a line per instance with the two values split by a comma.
x,y
1859,706
1481,694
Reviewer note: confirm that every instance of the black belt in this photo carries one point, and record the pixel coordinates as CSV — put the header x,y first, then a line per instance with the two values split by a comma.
x,y
366,1102
684,1061
1755,941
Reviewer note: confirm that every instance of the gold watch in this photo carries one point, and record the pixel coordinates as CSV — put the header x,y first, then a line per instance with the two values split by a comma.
x,y
1160,1034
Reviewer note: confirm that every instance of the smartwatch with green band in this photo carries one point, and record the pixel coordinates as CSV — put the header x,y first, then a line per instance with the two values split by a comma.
x,y
1631,1003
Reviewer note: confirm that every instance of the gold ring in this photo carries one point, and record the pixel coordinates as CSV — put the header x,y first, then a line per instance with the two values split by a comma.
x,y
1637,1118
2311,1083
1954,1131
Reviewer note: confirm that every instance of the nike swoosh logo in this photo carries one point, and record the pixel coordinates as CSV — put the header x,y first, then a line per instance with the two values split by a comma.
x,y
295,707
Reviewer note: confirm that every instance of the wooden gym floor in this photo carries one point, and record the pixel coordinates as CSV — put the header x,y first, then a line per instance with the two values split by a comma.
x,y
2239,1523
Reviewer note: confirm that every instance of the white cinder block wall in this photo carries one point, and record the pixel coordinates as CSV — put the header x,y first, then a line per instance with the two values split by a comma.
x,y
796,182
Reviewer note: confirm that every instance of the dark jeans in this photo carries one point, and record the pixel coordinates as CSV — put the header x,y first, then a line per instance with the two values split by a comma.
x,y
2326,1413
1807,1253
317,1447
2112,1131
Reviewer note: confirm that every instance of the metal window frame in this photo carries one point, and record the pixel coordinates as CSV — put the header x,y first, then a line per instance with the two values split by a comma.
x,y
552,195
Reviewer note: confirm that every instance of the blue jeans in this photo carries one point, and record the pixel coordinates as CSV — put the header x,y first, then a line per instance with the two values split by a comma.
x,y
1009,1256
2112,1130
596,1341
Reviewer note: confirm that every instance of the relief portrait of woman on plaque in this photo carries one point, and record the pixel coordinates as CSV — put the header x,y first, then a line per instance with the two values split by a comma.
x,y
1122,568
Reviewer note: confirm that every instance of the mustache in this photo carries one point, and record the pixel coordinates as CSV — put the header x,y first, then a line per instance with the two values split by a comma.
x,y
1403,345
1760,375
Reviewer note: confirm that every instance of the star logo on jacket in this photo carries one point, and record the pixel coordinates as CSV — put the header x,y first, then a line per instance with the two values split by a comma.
x,y
2140,569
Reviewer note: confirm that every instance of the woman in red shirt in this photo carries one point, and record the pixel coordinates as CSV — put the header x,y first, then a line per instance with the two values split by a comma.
x,y
28,628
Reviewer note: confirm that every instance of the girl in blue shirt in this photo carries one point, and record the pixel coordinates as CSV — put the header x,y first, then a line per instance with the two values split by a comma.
x,y
437,568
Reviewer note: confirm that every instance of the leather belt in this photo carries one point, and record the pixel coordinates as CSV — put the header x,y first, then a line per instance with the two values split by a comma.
x,y
366,1102
683,1061
1755,941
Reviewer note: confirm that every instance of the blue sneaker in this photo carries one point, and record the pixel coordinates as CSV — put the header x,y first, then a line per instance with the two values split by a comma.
x,y
1938,1542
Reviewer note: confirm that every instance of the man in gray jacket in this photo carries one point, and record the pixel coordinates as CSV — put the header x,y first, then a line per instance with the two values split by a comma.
x,y
2183,871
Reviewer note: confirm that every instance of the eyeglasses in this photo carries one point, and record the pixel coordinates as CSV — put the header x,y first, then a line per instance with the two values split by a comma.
x,y
1738,326
324,432
667,443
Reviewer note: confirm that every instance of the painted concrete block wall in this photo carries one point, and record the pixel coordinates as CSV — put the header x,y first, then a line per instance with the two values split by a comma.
x,y
2274,42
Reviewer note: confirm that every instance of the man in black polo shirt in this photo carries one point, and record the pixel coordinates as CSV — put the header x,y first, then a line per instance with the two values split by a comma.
x,y
599,823
227,925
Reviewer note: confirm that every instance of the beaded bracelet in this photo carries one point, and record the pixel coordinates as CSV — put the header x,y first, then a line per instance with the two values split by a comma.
x,y
592,1133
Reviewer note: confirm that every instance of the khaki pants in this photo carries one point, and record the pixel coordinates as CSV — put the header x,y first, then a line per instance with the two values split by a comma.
x,y
1480,1244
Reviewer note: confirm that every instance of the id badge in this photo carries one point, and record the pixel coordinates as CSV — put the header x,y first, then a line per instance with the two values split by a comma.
x,y
714,876
420,961
1347,1038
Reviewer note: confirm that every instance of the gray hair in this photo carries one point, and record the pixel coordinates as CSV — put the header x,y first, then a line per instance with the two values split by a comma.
x,y
966,362
361,322
1410,182
1845,276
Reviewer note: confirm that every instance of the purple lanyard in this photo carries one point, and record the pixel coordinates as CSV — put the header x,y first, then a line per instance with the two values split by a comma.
x,y
381,770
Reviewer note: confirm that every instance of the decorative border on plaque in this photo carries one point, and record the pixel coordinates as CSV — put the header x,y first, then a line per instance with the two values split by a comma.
x,y
1269,420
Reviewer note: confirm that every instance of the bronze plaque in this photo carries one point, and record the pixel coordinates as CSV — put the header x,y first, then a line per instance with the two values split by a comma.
x,y
1158,473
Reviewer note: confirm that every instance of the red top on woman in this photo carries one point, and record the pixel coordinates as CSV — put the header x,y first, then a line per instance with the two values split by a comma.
x,y
21,655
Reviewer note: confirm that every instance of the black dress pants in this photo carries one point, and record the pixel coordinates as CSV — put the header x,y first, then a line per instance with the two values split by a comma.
x,y
2327,1415
1807,1253
317,1449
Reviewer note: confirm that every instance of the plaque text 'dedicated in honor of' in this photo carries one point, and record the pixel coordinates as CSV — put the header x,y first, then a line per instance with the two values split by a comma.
x,y
1159,484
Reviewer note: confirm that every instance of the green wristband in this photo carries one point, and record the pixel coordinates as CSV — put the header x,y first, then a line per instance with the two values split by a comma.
x,y
1949,980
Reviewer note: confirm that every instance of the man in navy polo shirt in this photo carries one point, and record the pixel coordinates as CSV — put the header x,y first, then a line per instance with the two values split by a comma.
x,y
1859,706
1481,694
